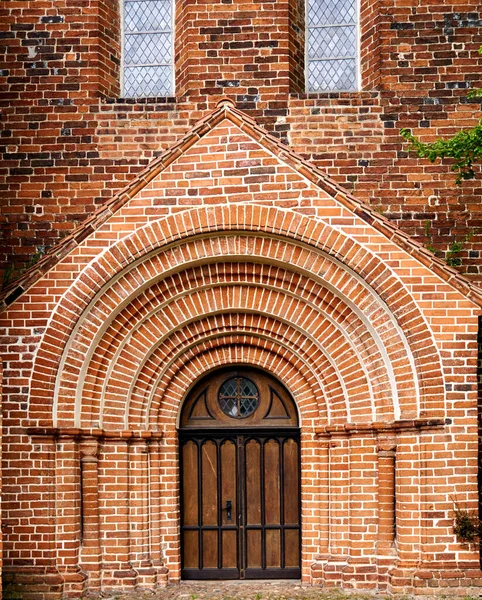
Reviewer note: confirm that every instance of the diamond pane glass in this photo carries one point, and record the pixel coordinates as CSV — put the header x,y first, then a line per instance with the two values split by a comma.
x,y
150,15
328,75
332,42
248,388
331,12
147,81
229,388
238,397
147,48
332,34
248,406
229,406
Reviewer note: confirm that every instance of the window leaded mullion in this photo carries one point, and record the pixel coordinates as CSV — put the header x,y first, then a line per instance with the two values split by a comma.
x,y
148,54
332,48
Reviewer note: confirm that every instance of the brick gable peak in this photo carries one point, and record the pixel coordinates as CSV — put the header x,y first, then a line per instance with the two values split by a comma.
x,y
226,109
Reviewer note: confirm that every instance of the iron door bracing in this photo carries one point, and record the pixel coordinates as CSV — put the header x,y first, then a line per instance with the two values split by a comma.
x,y
240,505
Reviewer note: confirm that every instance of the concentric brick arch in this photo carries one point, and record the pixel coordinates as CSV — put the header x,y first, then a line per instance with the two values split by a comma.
x,y
299,380
329,395
380,317
141,328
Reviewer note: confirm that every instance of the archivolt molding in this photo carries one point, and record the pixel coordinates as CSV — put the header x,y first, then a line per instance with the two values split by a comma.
x,y
332,392
121,344
339,351
122,274
207,301
188,368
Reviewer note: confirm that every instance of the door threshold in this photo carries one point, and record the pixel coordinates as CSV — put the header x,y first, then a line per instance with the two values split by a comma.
x,y
212,582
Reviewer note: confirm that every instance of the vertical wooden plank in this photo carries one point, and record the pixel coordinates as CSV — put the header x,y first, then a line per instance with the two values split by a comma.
x,y
210,508
253,483
209,484
190,549
272,482
273,554
292,548
253,549
229,476
190,483
229,550
291,482
210,549
228,481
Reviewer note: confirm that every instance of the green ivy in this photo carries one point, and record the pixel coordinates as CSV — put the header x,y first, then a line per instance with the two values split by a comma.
x,y
453,250
465,147
13,271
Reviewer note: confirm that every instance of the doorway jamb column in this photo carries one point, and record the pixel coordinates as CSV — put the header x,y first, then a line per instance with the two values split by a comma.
x,y
324,495
154,485
68,503
91,551
386,495
139,512
323,498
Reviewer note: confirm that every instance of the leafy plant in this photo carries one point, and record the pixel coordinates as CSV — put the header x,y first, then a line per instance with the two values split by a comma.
x,y
467,525
453,250
455,247
465,147
13,271
428,234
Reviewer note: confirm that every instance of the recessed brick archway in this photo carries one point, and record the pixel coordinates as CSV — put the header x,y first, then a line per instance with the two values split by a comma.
x,y
209,288
370,294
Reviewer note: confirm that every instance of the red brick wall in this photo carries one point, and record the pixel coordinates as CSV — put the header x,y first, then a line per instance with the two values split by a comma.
x,y
200,280
65,149
1,521
236,47
69,143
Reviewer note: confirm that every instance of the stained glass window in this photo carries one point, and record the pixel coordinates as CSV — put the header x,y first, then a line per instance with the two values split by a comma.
x,y
332,45
238,397
148,66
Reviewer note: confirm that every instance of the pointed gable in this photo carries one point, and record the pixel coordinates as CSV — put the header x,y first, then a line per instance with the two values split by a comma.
x,y
228,158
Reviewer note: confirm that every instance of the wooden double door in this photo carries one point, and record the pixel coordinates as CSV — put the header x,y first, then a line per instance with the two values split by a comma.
x,y
240,504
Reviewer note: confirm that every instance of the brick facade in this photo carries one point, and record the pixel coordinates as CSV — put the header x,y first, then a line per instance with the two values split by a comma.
x,y
69,143
209,242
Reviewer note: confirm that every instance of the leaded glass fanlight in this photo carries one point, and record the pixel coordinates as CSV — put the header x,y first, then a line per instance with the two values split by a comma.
x,y
332,45
238,397
148,48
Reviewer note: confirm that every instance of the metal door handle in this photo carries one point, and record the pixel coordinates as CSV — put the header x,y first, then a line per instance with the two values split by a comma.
x,y
228,508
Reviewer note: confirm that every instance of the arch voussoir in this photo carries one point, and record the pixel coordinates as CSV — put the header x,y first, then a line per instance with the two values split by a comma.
x,y
331,262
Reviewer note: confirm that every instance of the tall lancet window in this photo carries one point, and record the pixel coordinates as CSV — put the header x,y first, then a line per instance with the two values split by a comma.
x,y
147,53
332,45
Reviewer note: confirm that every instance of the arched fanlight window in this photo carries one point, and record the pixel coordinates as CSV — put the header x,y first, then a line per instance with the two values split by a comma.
x,y
332,45
238,397
147,48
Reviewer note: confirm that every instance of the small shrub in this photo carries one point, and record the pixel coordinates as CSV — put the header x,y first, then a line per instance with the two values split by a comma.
x,y
467,526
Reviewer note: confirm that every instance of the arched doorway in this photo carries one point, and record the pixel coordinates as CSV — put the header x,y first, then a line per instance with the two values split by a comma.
x,y
240,478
